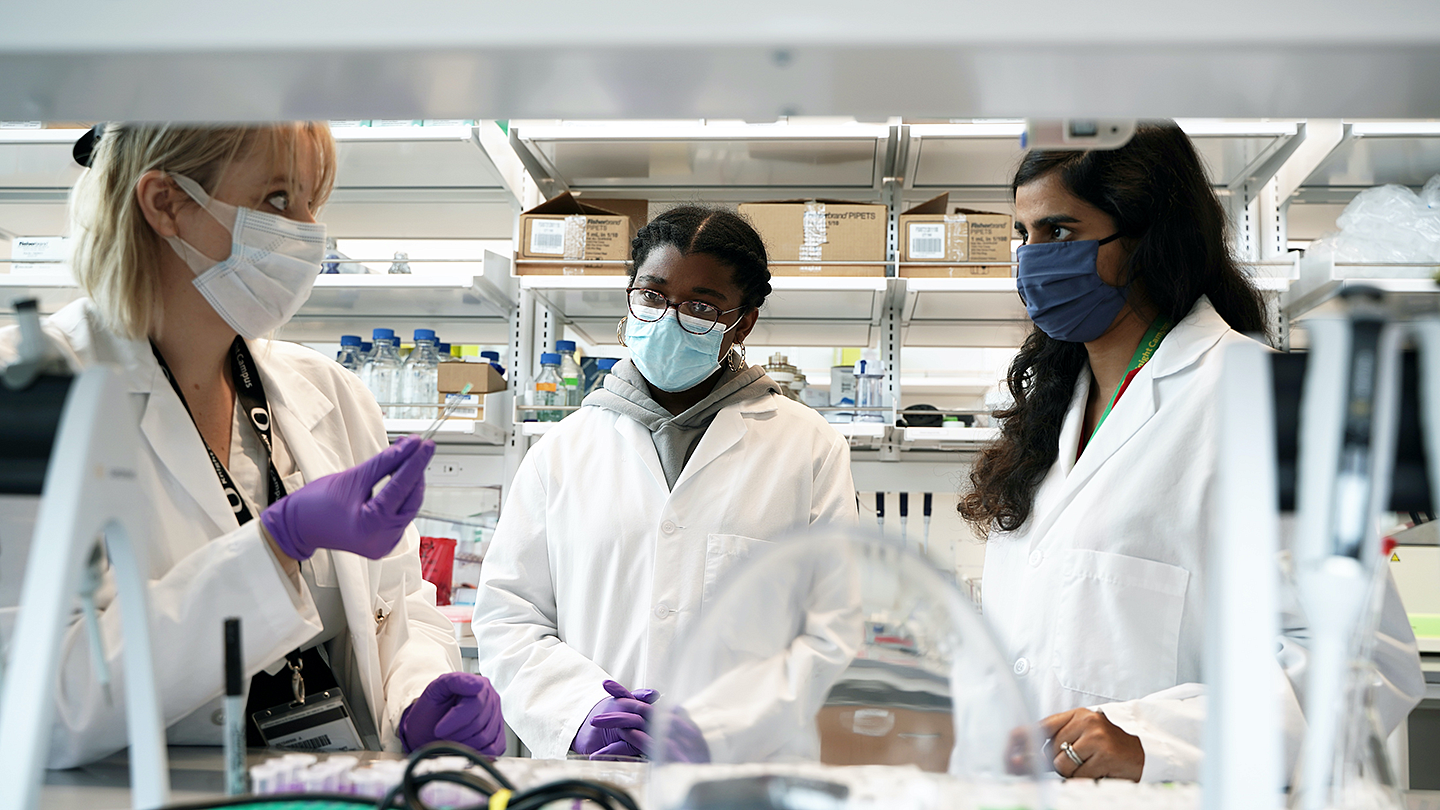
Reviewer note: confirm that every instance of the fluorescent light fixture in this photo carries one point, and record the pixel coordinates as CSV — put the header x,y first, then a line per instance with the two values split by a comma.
x,y
408,133
695,130
1201,127
965,285
40,135
974,129
1361,129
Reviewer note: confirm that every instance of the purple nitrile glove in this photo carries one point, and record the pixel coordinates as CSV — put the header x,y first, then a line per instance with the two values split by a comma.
x,y
601,743
459,707
337,511
684,743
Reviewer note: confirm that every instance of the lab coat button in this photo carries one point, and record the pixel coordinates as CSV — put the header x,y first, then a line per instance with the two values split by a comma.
x,y
662,611
1022,666
1036,557
668,527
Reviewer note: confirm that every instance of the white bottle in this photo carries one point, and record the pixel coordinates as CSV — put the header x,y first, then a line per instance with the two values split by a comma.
x,y
419,377
383,372
570,374
869,388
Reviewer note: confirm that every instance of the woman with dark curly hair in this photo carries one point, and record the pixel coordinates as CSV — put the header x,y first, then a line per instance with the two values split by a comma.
x,y
622,521
1099,493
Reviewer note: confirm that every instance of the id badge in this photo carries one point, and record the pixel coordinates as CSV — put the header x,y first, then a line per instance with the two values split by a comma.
x,y
322,723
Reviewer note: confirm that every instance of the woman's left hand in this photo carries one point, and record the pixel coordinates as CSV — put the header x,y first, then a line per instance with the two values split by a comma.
x,y
1103,748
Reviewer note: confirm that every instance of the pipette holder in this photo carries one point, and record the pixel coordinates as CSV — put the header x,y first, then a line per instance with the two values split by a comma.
x,y
91,488
1347,452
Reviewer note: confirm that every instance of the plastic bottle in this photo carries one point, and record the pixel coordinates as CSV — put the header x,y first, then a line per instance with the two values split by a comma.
x,y
401,265
349,355
549,388
493,358
869,388
418,378
605,365
382,372
570,374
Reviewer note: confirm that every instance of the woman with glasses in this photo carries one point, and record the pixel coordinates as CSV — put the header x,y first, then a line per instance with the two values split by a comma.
x,y
623,520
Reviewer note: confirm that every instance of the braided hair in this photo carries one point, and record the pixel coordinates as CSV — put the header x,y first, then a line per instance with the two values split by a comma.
x,y
725,235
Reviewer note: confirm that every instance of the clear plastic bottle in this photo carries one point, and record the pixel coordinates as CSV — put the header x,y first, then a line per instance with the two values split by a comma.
x,y
869,388
401,265
605,366
349,355
382,372
549,388
418,377
570,374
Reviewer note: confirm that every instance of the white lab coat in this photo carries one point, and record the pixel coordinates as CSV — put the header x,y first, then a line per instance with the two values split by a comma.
x,y
1099,597
204,567
597,569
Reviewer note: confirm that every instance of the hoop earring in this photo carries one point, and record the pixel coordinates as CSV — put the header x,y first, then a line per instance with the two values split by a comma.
x,y
738,363
620,329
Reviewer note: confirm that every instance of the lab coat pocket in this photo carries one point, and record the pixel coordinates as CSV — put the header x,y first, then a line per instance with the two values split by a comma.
x,y
1118,628
723,553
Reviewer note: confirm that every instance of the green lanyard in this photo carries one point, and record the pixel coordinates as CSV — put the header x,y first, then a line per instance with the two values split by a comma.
x,y
1143,353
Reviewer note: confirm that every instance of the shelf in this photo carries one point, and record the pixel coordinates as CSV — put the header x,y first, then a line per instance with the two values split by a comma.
x,y
975,161
1373,153
801,311
728,161
1411,288
462,307
947,438
52,290
971,312
451,431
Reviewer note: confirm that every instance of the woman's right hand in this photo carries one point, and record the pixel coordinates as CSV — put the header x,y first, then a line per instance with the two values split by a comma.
x,y
337,511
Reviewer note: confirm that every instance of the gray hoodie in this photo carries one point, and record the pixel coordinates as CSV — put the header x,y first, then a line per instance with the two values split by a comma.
x,y
676,435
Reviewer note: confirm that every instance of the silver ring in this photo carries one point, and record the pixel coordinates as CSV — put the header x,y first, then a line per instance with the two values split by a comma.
x,y
1070,752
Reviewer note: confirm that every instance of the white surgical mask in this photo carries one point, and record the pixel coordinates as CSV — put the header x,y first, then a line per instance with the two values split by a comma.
x,y
272,266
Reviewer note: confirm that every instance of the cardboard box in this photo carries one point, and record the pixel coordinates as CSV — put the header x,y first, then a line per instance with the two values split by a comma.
x,y
564,230
482,377
821,230
930,233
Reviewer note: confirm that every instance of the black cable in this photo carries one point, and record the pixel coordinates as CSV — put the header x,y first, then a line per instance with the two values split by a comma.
x,y
533,799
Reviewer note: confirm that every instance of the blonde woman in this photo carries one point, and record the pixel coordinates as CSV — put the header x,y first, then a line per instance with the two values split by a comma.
x,y
259,457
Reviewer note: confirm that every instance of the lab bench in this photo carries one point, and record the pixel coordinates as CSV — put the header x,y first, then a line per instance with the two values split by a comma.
x,y
197,775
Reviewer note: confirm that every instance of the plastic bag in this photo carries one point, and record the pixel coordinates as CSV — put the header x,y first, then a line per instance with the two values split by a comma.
x,y
1387,224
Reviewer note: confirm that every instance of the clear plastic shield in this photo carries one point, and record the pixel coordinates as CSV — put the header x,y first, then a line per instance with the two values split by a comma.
x,y
834,668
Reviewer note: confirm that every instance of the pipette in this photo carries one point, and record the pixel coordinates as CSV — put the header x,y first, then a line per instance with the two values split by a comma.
x,y
904,518
445,414
927,522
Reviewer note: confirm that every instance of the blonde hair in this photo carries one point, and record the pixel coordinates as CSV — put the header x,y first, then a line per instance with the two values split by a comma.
x,y
116,256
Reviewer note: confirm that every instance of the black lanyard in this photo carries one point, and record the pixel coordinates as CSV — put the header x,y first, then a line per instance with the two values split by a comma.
x,y
251,393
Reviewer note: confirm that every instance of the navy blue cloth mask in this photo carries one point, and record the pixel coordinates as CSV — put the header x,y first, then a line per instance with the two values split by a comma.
x,y
1063,292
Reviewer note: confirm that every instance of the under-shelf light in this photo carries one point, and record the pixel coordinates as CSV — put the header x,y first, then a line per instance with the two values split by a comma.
x,y
402,133
695,130
40,135
1201,127
1361,129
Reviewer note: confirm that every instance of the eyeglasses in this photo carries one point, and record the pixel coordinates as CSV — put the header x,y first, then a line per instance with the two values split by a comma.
x,y
696,317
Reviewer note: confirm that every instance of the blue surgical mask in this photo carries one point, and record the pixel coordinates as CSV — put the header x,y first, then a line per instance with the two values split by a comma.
x,y
1063,291
672,359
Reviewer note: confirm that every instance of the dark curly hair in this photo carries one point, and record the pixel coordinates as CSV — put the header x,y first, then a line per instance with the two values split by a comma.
x,y
725,235
1156,190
